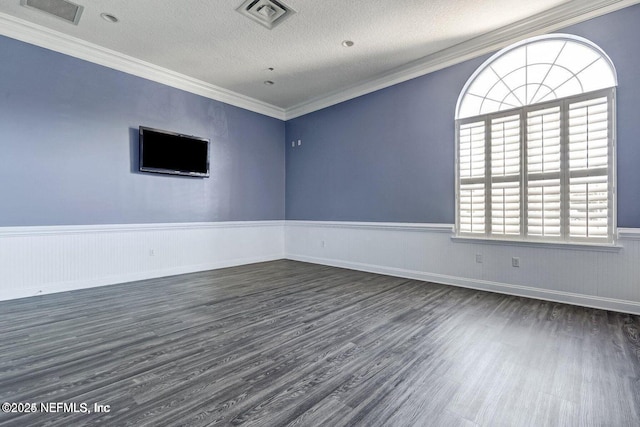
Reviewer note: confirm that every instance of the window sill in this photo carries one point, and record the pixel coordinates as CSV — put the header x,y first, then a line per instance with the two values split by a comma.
x,y
596,247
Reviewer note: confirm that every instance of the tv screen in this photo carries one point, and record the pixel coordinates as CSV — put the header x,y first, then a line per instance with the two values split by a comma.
x,y
172,153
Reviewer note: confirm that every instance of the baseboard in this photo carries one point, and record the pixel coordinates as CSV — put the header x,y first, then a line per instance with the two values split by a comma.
x,y
134,277
598,277
481,285
43,260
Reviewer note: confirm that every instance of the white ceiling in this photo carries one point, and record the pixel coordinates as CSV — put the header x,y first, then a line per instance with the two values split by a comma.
x,y
207,47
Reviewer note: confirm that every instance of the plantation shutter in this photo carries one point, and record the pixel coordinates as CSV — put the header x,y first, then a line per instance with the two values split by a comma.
x,y
505,175
543,172
472,178
589,164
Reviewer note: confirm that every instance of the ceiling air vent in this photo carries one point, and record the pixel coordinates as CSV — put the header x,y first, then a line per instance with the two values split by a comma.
x,y
268,13
62,9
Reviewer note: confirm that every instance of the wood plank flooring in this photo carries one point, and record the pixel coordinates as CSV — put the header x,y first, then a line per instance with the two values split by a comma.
x,y
286,343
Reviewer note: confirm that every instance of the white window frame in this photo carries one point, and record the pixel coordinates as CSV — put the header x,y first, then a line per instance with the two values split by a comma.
x,y
564,174
604,86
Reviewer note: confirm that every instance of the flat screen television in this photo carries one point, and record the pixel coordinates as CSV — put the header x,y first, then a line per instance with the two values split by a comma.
x,y
173,153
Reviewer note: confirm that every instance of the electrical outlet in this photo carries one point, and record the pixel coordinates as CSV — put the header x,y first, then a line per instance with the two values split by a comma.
x,y
515,262
299,142
152,252
293,143
479,258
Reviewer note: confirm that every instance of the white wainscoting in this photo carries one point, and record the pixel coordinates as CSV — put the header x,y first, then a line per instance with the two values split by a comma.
x,y
600,277
41,260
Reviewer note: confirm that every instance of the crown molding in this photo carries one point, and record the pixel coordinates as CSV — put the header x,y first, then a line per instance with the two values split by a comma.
x,y
564,15
49,39
559,17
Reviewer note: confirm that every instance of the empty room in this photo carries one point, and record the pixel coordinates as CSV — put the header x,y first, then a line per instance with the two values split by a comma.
x,y
332,213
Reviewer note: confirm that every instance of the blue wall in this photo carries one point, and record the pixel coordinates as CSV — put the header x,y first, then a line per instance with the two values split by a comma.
x,y
389,155
68,145
68,148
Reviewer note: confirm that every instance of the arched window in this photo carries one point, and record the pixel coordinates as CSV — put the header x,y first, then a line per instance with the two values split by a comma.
x,y
535,127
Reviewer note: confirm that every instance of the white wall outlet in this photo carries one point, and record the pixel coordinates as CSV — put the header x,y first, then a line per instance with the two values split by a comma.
x,y
299,142
293,143
515,262
479,258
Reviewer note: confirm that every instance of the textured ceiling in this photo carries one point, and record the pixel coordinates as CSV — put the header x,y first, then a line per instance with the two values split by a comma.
x,y
211,42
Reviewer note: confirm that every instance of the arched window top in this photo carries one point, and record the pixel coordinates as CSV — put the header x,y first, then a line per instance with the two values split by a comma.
x,y
536,70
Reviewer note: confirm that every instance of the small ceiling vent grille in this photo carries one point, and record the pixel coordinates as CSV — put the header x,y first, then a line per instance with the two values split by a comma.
x,y
62,9
267,13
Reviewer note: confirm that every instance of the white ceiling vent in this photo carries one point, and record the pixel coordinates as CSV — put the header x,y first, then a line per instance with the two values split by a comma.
x,y
268,13
62,9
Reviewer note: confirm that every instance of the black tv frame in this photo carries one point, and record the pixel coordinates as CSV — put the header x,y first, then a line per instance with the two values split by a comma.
x,y
163,171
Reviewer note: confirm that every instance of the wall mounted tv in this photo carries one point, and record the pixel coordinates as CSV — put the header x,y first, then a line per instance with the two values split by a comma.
x,y
172,153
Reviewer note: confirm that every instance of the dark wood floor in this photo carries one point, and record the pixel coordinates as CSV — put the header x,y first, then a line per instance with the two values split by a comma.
x,y
288,343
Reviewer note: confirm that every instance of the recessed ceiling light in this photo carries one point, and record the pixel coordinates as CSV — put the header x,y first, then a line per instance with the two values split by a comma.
x,y
347,43
109,17
269,83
